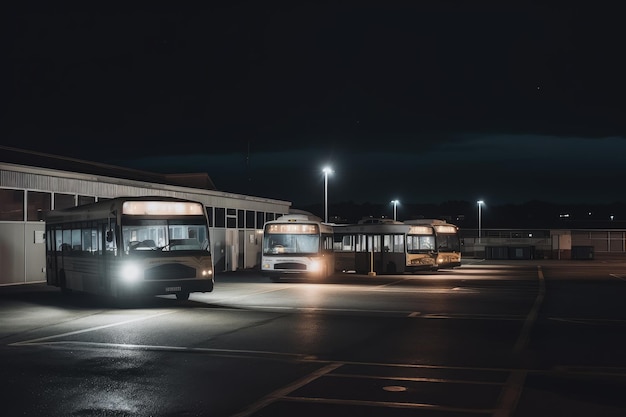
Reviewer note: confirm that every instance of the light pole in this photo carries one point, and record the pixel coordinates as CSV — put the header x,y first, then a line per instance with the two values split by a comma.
x,y
480,204
326,171
395,204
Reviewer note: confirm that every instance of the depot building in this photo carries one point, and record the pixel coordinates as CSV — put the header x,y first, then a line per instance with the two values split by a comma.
x,y
32,183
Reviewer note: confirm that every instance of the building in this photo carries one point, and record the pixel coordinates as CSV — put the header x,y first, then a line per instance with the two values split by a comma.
x,y
32,183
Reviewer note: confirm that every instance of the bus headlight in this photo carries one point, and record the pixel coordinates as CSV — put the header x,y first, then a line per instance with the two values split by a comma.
x,y
315,266
206,273
131,272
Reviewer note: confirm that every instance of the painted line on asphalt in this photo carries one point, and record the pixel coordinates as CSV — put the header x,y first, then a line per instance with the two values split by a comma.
x,y
89,329
281,393
619,276
389,404
241,353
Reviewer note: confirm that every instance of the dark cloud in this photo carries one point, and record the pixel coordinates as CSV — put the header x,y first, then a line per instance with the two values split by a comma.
x,y
387,92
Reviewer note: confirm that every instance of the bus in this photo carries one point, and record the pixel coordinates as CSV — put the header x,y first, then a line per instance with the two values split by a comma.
x,y
447,244
297,245
130,246
385,246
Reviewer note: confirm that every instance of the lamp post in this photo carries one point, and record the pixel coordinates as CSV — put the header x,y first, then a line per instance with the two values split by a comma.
x,y
395,204
480,204
326,171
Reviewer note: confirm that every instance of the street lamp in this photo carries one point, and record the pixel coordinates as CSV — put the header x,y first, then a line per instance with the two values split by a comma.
x,y
480,204
395,204
326,171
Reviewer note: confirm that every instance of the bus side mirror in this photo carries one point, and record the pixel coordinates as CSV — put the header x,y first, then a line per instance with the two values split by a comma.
x,y
109,236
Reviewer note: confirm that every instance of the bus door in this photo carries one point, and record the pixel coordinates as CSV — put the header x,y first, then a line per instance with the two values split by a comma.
x,y
392,255
383,254
52,262
369,255
107,252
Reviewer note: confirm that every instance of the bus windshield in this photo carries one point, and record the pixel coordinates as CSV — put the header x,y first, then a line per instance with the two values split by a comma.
x,y
449,243
291,243
163,235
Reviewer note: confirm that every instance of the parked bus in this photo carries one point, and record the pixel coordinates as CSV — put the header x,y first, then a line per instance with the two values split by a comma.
x,y
297,245
129,246
385,246
447,249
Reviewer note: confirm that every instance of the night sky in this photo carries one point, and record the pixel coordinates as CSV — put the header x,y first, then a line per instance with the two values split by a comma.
x,y
421,101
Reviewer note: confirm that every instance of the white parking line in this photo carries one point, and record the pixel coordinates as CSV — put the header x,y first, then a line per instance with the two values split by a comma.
x,y
281,393
89,329
619,276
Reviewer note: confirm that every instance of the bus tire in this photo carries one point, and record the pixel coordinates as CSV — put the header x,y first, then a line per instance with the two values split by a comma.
x,y
182,296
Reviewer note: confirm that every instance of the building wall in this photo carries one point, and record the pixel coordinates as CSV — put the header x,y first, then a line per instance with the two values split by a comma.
x,y
12,266
22,250
552,244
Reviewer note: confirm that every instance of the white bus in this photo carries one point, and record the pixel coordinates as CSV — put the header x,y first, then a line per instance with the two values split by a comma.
x,y
385,246
297,245
130,246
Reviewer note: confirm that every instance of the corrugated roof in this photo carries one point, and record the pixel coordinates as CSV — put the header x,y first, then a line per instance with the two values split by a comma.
x,y
10,155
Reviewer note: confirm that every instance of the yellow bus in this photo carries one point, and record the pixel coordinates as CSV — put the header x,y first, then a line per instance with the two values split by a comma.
x,y
130,246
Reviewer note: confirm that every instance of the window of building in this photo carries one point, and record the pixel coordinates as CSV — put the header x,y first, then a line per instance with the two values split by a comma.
x,y
38,203
11,205
209,214
241,216
85,199
260,219
220,217
250,219
231,218
63,201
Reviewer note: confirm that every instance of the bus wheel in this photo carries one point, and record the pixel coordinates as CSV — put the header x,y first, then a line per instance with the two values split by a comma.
x,y
182,296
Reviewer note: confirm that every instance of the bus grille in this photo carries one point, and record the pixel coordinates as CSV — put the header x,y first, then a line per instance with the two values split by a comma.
x,y
169,271
291,265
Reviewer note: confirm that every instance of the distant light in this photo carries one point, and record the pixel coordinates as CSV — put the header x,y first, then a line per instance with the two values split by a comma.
x,y
395,205
612,217
563,215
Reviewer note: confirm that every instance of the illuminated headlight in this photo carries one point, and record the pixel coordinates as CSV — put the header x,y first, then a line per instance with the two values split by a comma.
x,y
207,272
315,266
131,273
267,266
